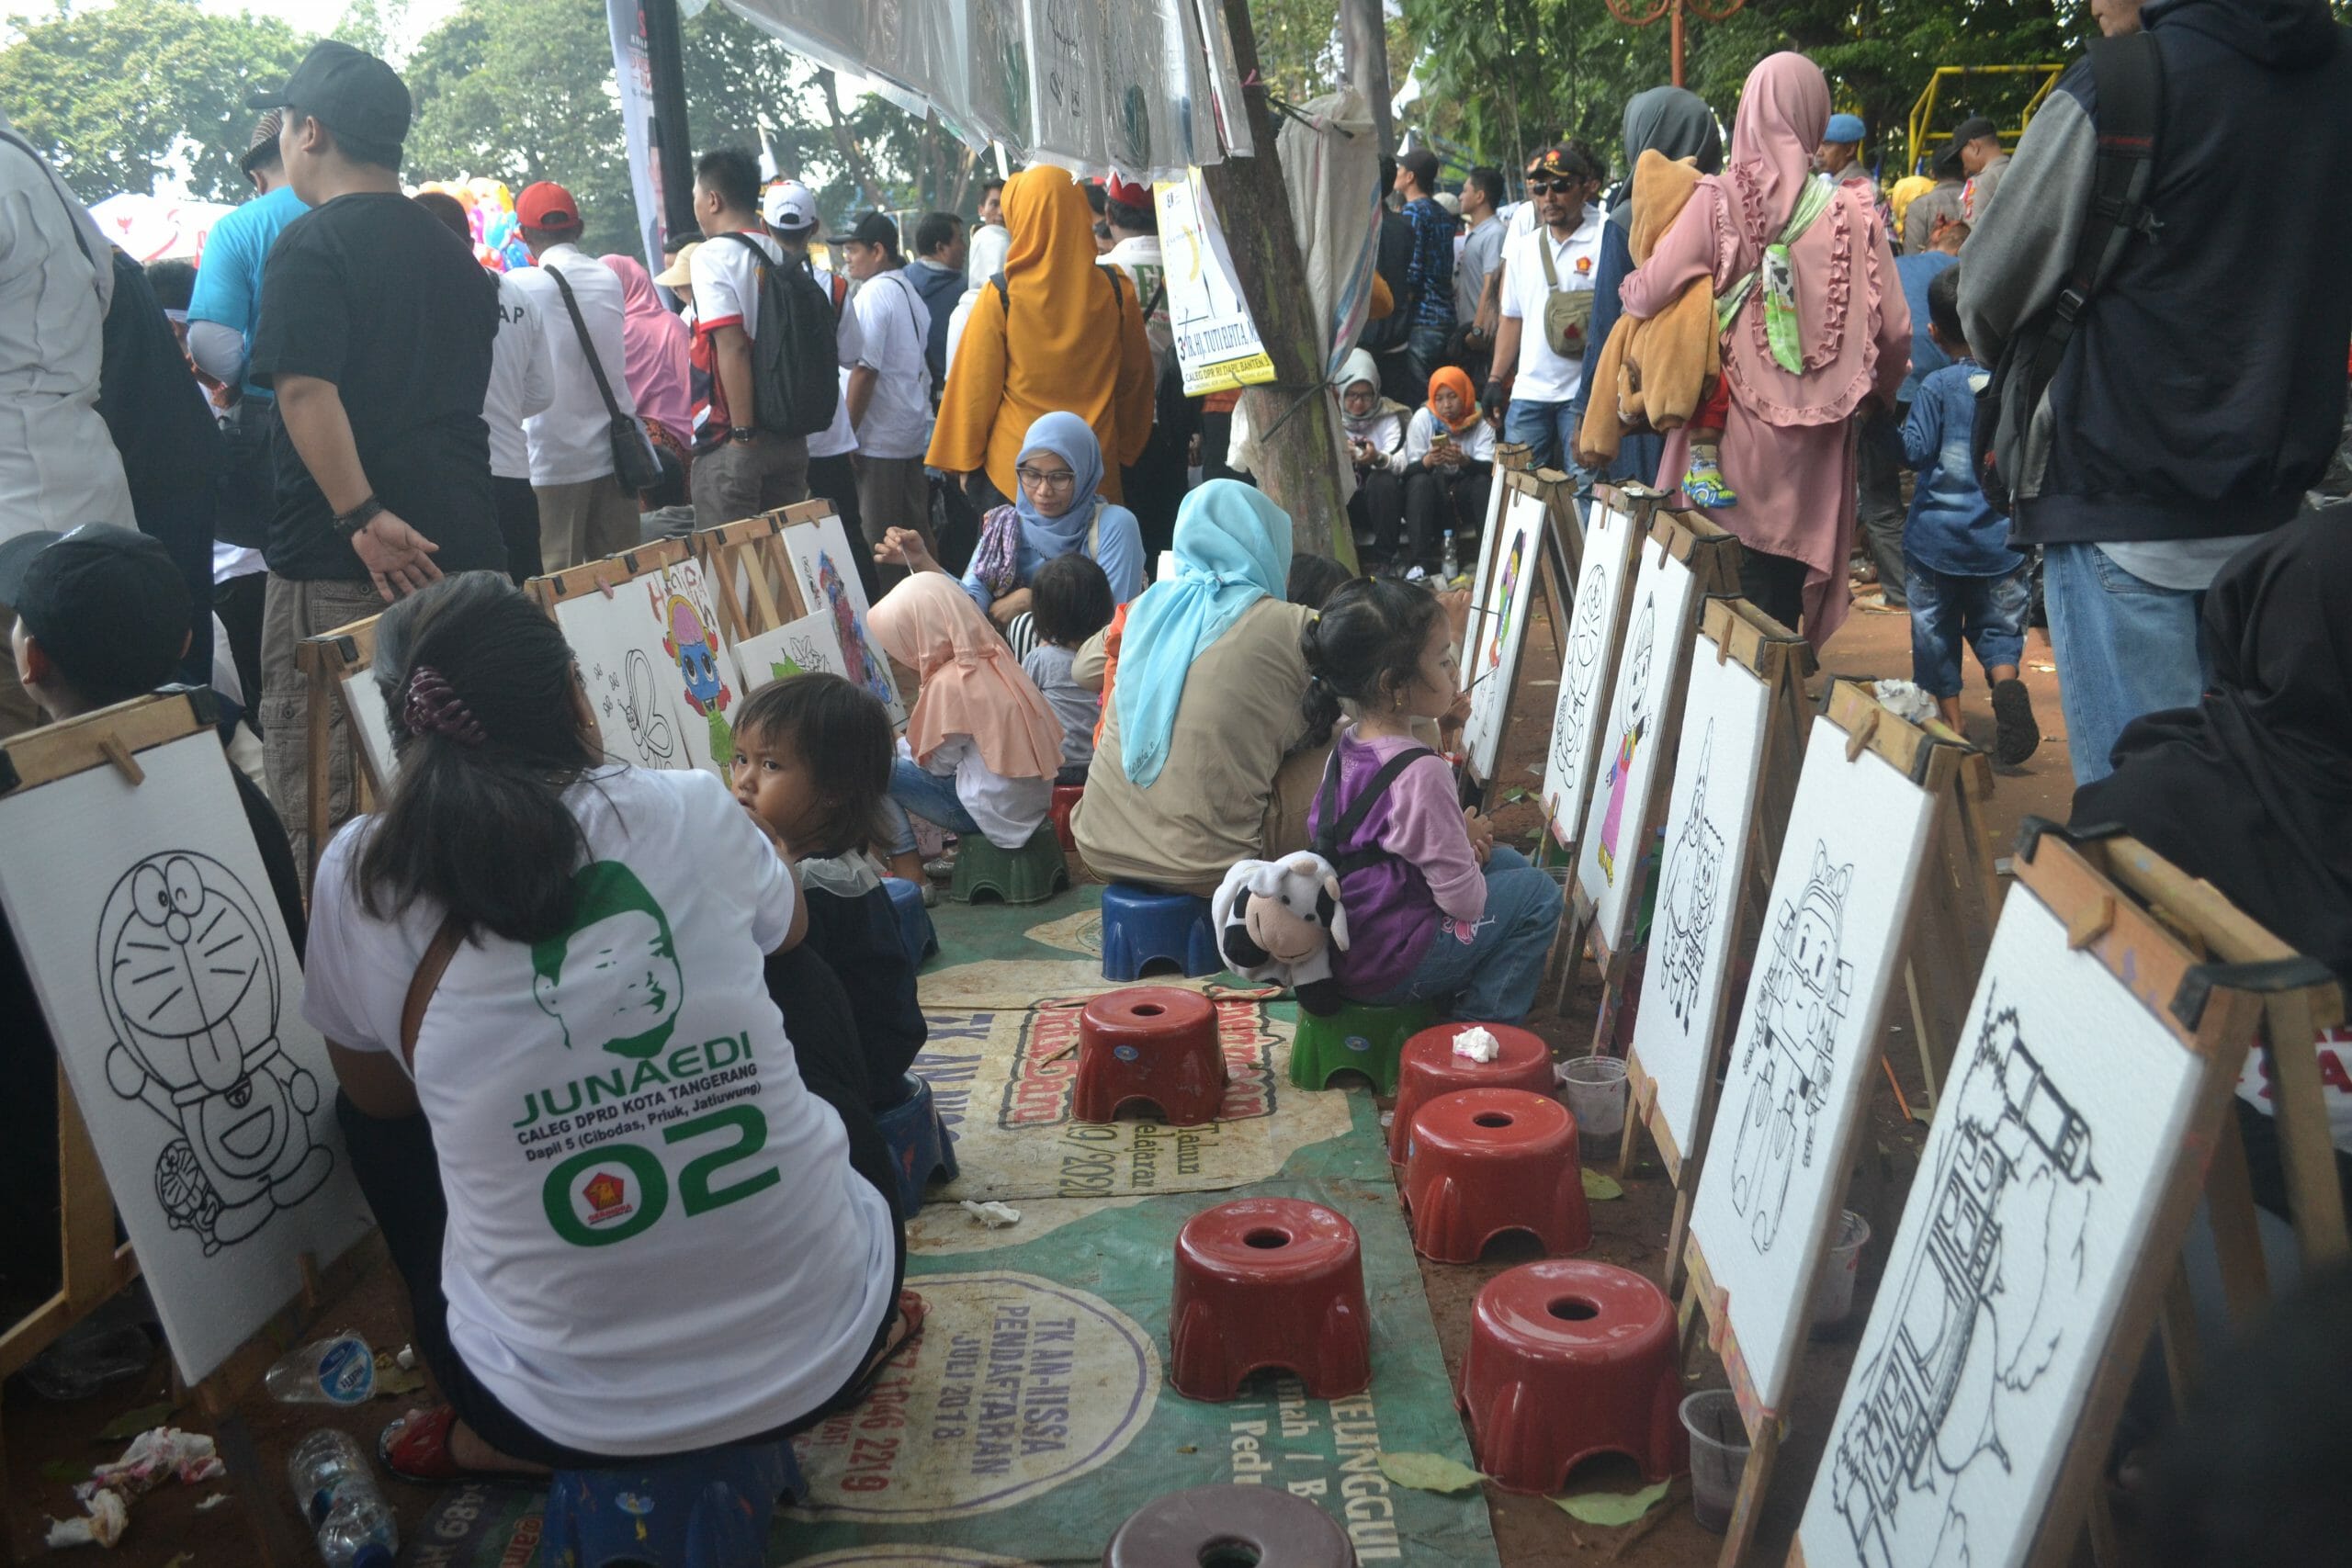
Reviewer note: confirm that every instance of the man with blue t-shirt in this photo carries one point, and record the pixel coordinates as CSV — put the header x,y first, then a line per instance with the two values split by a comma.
x,y
220,317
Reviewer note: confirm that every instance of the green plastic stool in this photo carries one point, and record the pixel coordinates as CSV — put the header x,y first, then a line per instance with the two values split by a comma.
x,y
1030,875
1359,1038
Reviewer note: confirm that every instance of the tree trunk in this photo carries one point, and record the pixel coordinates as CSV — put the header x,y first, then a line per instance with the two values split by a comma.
x,y
1363,33
845,140
1292,416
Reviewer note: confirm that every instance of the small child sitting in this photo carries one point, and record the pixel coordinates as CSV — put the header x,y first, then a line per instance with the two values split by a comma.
x,y
812,760
982,746
1962,579
1069,601
1436,910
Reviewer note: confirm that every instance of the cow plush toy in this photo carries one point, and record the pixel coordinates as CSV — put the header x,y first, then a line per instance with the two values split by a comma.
x,y
1281,921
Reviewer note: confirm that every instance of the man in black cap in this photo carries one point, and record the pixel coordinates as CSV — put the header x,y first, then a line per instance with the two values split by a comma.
x,y
102,616
376,333
1984,160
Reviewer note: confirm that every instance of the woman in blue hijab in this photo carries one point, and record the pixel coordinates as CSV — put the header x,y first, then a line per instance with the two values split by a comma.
x,y
1059,510
1195,767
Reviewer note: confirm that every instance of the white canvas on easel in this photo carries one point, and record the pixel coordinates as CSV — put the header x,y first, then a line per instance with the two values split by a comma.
x,y
1792,1092
1649,671
362,700
1476,636
2044,1169
657,666
1502,625
829,583
1587,661
1710,817
148,925
805,647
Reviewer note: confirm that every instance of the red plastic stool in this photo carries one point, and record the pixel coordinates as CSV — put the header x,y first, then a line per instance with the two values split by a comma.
x,y
1482,1161
1268,1283
1569,1360
1229,1525
1064,802
1151,1043
1429,1068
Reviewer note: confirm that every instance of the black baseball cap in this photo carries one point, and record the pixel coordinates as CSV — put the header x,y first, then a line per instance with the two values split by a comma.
x,y
875,228
1972,129
348,90
106,603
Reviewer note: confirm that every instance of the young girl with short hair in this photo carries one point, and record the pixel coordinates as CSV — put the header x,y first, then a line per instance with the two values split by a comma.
x,y
1437,910
982,746
812,760
1069,602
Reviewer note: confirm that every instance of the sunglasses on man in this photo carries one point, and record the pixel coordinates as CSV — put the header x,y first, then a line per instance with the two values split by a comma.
x,y
1550,187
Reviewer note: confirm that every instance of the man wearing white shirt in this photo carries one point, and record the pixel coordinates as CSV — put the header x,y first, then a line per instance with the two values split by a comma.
x,y
1542,391
584,512
889,387
991,240
521,384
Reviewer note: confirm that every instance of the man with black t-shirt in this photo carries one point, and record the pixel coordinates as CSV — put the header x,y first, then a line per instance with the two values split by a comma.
x,y
376,334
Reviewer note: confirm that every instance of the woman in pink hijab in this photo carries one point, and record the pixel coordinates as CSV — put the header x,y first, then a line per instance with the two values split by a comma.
x,y
1808,347
655,345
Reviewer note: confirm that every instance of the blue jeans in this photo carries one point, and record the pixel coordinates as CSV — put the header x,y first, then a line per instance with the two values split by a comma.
x,y
1548,429
1492,976
929,796
1989,612
2125,648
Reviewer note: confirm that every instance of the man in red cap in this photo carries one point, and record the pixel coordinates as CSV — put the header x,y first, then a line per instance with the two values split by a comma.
x,y
584,512
1154,482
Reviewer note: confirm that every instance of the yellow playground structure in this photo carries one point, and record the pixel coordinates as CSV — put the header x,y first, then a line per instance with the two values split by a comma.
x,y
1925,129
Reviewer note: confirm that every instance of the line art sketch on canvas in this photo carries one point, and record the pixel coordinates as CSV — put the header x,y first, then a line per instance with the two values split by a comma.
x,y
1685,902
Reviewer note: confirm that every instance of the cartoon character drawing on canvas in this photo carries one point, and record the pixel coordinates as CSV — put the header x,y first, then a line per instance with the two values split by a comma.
x,y
1799,1000
188,976
687,640
1634,707
1686,901
1505,601
1582,669
1983,1305
629,692
870,672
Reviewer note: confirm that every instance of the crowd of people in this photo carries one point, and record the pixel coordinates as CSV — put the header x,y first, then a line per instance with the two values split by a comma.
x,y
341,414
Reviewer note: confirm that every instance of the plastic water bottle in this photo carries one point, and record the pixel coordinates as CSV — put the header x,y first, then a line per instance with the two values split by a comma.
x,y
338,1371
1452,566
335,1486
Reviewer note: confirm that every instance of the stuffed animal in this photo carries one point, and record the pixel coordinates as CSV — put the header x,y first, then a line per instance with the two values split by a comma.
x,y
1280,921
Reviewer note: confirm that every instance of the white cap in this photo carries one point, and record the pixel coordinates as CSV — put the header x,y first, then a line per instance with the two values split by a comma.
x,y
789,205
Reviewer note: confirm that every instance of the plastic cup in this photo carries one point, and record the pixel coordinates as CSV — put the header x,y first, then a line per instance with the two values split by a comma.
x,y
1718,1455
1833,1294
1595,1087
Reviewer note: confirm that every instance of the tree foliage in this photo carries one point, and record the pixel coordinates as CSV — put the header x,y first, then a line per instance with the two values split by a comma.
x,y
120,97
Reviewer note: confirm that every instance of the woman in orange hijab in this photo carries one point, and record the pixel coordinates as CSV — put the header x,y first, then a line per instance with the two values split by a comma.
x,y
1449,459
1064,334
982,743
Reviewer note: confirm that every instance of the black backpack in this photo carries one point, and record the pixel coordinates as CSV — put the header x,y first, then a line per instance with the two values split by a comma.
x,y
2128,80
796,381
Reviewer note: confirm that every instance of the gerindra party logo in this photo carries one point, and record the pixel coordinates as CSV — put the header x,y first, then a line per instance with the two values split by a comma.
x,y
603,1197
613,978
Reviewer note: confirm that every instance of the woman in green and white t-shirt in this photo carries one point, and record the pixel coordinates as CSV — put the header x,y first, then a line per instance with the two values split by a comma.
x,y
654,1239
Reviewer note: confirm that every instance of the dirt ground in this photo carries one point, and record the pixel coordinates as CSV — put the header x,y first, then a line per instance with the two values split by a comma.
x,y
43,1441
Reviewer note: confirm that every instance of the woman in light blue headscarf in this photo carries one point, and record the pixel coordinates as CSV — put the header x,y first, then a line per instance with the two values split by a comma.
x,y
1059,510
1201,718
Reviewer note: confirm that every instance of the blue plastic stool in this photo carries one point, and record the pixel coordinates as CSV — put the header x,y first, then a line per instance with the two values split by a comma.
x,y
1143,926
914,921
710,1509
921,1146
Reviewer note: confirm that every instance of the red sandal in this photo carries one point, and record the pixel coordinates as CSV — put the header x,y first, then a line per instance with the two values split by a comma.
x,y
415,1446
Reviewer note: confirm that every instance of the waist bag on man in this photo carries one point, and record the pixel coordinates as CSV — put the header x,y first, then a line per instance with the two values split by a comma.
x,y
2128,83
796,381
634,463
1566,312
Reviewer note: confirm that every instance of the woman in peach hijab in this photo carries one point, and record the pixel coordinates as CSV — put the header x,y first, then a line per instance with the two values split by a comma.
x,y
982,744
1063,335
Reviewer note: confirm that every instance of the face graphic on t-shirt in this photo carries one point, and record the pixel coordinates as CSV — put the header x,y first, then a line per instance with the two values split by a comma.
x,y
619,986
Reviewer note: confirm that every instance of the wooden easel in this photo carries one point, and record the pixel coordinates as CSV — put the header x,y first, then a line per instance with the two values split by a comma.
x,y
1559,547
1957,922
750,576
1729,628
1933,764
607,575
93,1267
1641,506
2150,926
1711,555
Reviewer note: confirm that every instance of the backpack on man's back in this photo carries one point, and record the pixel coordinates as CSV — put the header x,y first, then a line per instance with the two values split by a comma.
x,y
796,384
